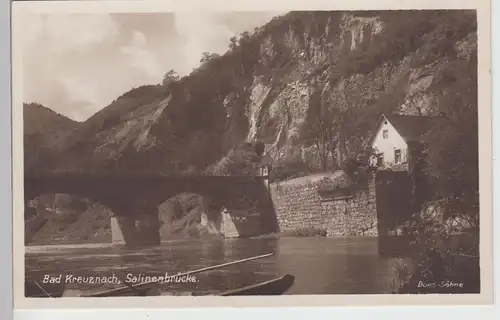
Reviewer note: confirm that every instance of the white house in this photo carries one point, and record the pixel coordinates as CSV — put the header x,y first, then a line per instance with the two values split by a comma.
x,y
395,138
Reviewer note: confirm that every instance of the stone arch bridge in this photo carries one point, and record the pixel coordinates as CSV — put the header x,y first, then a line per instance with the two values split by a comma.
x,y
135,198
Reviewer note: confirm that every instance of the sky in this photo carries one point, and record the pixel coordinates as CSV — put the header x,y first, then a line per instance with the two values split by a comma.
x,y
76,64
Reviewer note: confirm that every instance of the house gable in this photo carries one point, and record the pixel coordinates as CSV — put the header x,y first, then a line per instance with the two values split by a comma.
x,y
388,141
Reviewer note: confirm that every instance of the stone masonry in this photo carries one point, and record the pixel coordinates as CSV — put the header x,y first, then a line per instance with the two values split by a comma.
x,y
298,205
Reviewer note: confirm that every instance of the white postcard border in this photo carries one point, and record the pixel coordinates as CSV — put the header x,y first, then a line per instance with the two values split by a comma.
x,y
21,10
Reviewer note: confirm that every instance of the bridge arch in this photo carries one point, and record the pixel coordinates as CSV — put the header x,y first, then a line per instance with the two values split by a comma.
x,y
64,218
239,206
190,214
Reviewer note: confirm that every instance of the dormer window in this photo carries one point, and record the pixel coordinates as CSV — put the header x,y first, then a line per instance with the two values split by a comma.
x,y
385,134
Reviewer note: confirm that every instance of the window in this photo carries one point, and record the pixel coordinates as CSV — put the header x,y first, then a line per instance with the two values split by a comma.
x,y
385,134
380,159
397,156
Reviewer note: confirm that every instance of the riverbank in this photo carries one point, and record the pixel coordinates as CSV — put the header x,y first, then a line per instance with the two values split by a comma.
x,y
65,241
295,233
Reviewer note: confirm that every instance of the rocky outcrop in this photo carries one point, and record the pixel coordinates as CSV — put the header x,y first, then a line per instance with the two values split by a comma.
x,y
358,63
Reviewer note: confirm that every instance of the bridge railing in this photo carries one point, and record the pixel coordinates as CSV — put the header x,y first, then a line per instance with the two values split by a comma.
x,y
263,172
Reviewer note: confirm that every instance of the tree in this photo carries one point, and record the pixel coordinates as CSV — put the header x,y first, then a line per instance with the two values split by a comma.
x,y
207,56
169,77
453,149
244,37
233,43
320,129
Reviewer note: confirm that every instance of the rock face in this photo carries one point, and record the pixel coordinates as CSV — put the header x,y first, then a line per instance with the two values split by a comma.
x,y
272,84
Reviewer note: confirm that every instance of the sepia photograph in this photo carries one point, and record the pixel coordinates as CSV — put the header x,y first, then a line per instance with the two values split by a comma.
x,y
249,153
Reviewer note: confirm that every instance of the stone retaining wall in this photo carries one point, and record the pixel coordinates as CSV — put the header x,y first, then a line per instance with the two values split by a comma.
x,y
300,205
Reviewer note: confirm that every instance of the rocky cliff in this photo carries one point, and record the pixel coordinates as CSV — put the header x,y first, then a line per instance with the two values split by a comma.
x,y
298,84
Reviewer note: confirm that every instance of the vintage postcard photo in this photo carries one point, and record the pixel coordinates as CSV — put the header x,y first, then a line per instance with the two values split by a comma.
x,y
167,155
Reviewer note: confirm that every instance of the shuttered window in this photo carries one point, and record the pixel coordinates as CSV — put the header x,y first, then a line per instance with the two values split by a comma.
x,y
404,155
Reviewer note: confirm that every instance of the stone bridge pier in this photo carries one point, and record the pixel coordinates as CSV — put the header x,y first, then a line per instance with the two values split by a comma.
x,y
135,226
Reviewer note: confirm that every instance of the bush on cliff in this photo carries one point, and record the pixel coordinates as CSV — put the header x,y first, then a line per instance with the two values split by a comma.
x,y
244,159
292,166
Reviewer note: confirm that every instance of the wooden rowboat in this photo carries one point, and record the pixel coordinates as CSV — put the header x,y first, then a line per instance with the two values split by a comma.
x,y
33,289
272,287
276,286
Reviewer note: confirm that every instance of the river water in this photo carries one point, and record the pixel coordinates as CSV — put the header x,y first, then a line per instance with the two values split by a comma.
x,y
320,265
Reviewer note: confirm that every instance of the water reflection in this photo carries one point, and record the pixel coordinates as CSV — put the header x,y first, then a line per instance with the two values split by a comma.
x,y
320,265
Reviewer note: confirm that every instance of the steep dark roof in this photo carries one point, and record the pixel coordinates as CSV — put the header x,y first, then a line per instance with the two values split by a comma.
x,y
411,128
